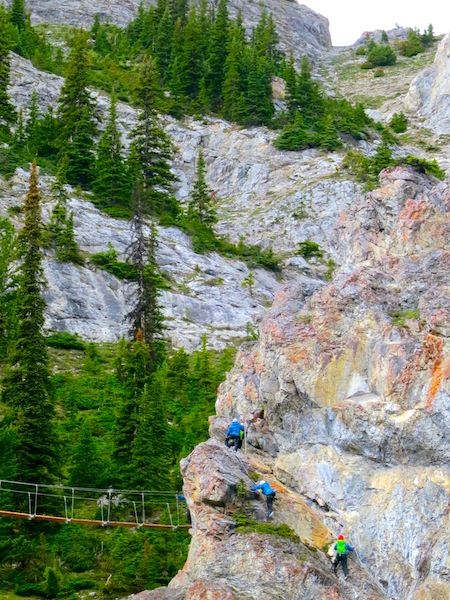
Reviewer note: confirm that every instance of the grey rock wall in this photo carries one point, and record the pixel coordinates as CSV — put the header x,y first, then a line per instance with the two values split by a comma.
x,y
429,93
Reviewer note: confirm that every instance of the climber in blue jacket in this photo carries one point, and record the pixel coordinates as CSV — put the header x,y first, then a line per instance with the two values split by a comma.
x,y
268,492
233,435
341,548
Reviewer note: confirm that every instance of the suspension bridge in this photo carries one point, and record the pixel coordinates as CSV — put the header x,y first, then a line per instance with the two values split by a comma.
x,y
93,506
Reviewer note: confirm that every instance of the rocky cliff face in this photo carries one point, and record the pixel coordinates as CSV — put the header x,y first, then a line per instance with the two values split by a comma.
x,y
429,94
300,28
347,401
275,199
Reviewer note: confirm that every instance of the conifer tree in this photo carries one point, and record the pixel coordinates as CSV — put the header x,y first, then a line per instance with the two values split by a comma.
x,y
193,55
61,231
178,73
145,315
178,10
77,117
217,54
153,149
309,98
259,94
18,14
234,84
68,250
295,135
163,42
7,112
204,23
328,135
26,387
134,377
151,457
86,470
111,184
290,77
201,205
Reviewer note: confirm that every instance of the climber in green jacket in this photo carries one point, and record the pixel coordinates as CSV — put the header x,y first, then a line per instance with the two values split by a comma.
x,y
341,548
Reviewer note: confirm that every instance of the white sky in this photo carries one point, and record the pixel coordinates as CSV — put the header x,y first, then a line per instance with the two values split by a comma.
x,y
350,18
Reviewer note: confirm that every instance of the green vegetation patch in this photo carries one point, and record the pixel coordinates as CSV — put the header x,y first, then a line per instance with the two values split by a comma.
x,y
400,317
245,525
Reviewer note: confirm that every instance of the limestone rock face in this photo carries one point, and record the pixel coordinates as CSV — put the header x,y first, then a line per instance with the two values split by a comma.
x,y
229,564
346,398
205,296
429,93
267,197
299,27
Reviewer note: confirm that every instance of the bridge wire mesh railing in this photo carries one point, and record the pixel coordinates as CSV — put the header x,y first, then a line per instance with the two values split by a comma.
x,y
138,508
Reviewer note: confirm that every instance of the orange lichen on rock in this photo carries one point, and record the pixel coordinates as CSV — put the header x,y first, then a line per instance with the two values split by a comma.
x,y
440,370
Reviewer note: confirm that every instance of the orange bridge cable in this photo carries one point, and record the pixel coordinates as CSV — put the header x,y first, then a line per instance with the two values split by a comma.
x,y
62,520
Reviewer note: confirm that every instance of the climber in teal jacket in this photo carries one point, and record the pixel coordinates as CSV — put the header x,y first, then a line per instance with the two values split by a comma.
x,y
234,435
268,492
341,547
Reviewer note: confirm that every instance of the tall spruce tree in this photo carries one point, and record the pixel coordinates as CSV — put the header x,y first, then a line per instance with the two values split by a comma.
x,y
234,81
217,54
111,184
77,116
179,9
26,387
86,469
201,207
7,112
309,98
153,149
178,73
151,456
18,14
163,42
145,315
291,78
194,56
134,375
259,93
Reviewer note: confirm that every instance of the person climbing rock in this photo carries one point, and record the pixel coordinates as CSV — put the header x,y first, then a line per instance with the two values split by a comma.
x,y
268,492
233,435
241,435
341,547
188,512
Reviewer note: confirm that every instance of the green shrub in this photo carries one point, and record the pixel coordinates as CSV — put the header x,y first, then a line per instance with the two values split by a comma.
x,y
51,584
400,317
81,584
381,56
399,123
361,51
108,261
65,340
308,249
412,45
245,525
378,73
30,589
430,167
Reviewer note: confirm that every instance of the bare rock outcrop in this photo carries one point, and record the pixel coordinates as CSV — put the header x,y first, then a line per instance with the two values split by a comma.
x,y
429,93
271,198
346,397
229,563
